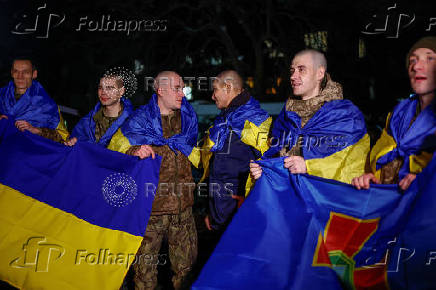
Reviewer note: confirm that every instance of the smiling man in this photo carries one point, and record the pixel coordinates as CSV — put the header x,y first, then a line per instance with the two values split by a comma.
x,y
319,133
26,101
107,116
402,150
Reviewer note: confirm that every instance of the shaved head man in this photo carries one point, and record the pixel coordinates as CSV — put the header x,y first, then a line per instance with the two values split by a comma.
x,y
166,126
226,87
240,116
308,70
168,86
315,113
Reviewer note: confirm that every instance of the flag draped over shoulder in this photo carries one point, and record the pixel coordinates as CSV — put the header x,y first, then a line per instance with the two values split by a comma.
x,y
402,138
334,141
250,122
85,129
35,107
144,127
306,232
70,217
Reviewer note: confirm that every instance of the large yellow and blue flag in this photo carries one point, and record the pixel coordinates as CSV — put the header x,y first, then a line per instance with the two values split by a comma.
x,y
306,232
70,217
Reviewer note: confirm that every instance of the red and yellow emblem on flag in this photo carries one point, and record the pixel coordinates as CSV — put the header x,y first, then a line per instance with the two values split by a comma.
x,y
344,237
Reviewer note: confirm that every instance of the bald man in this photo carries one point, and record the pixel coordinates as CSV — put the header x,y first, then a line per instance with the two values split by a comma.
x,y
317,131
236,137
166,126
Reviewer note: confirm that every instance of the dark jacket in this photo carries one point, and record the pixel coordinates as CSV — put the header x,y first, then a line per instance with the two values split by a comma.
x,y
229,169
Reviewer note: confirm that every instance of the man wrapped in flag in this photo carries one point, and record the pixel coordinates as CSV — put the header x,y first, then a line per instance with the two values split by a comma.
x,y
107,116
321,134
167,126
404,147
26,101
237,136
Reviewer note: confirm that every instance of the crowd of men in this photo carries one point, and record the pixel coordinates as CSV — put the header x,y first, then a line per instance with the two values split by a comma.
x,y
317,133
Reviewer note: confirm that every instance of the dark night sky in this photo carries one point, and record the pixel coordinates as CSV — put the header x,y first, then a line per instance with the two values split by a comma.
x,y
232,32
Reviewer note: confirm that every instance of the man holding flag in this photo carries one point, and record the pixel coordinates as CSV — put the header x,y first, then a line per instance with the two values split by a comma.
x,y
404,147
320,133
167,126
26,101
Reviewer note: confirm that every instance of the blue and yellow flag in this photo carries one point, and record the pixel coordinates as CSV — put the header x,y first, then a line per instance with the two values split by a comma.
x,y
85,129
144,127
306,232
249,122
35,107
402,138
70,217
334,142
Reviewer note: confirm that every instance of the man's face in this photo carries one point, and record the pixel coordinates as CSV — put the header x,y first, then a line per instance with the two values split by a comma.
x,y
422,71
304,78
23,74
170,92
221,95
108,92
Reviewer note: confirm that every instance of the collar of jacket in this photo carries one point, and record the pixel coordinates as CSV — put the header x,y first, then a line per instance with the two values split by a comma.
x,y
238,101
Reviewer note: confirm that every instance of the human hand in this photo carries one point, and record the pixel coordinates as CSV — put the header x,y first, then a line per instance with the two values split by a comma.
x,y
295,164
364,181
24,125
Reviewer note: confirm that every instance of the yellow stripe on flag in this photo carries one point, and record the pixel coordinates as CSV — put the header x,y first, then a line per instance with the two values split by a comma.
x,y
344,165
42,247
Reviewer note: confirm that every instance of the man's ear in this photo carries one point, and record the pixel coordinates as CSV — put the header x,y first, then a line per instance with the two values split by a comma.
x,y
228,87
320,73
34,74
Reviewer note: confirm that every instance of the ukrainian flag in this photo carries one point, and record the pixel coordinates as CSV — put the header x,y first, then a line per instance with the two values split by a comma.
x,y
334,142
305,232
70,217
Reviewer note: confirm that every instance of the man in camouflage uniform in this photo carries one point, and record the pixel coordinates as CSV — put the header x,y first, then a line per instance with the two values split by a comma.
x,y
171,217
113,108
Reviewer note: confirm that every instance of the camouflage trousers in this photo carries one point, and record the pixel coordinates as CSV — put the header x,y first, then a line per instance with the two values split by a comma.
x,y
180,231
